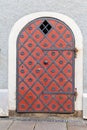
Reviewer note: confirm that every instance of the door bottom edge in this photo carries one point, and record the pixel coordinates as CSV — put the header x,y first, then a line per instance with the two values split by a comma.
x,y
14,113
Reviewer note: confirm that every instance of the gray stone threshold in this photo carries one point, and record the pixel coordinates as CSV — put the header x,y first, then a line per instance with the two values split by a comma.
x,y
20,123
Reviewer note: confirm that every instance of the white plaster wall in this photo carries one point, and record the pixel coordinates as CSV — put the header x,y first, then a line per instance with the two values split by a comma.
x,y
12,55
12,10
3,102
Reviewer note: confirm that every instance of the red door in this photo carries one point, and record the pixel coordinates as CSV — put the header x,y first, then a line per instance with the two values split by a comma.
x,y
45,67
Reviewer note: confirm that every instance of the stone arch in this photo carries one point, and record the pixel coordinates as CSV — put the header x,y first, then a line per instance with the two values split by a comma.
x,y
12,55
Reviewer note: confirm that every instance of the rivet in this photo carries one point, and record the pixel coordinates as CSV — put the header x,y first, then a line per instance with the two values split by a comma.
x,y
53,35
37,53
69,71
68,106
61,97
30,44
53,106
67,35
30,62
38,70
38,105
45,79
53,88
46,97
45,45
22,53
53,53
30,28
52,70
22,88
22,36
22,71
37,36
60,27
61,62
37,88
68,88
30,80
68,53
22,106
61,79
60,44
30,97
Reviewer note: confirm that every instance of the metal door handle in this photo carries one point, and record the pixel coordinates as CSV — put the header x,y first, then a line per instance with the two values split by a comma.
x,y
45,62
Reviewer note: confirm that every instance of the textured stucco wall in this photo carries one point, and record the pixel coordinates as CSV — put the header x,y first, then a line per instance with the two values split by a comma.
x,y
12,10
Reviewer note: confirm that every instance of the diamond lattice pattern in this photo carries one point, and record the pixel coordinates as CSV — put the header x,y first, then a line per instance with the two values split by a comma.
x,y
45,67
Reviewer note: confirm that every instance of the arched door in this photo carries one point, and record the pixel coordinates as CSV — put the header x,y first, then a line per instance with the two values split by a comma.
x,y
45,67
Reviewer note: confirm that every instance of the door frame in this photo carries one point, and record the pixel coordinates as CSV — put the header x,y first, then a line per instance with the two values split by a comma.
x,y
18,26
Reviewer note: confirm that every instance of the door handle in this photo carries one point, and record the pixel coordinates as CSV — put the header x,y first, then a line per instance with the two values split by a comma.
x,y
45,62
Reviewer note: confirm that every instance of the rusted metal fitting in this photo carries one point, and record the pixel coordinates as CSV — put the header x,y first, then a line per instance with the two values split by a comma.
x,y
75,52
75,93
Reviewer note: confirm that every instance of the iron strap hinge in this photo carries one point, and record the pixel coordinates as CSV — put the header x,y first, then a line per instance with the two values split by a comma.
x,y
75,52
67,93
73,49
75,93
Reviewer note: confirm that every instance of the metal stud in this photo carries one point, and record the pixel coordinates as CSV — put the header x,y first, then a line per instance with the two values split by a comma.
x,y
38,54
22,71
69,89
60,27
68,106
53,70
45,97
37,36
69,71
67,35
22,53
30,79
53,53
38,105
30,62
22,36
37,88
60,97
38,70
45,79
60,44
45,44
30,28
22,88
30,44
53,35
22,106
61,62
61,79
53,106
30,97
53,88
68,53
